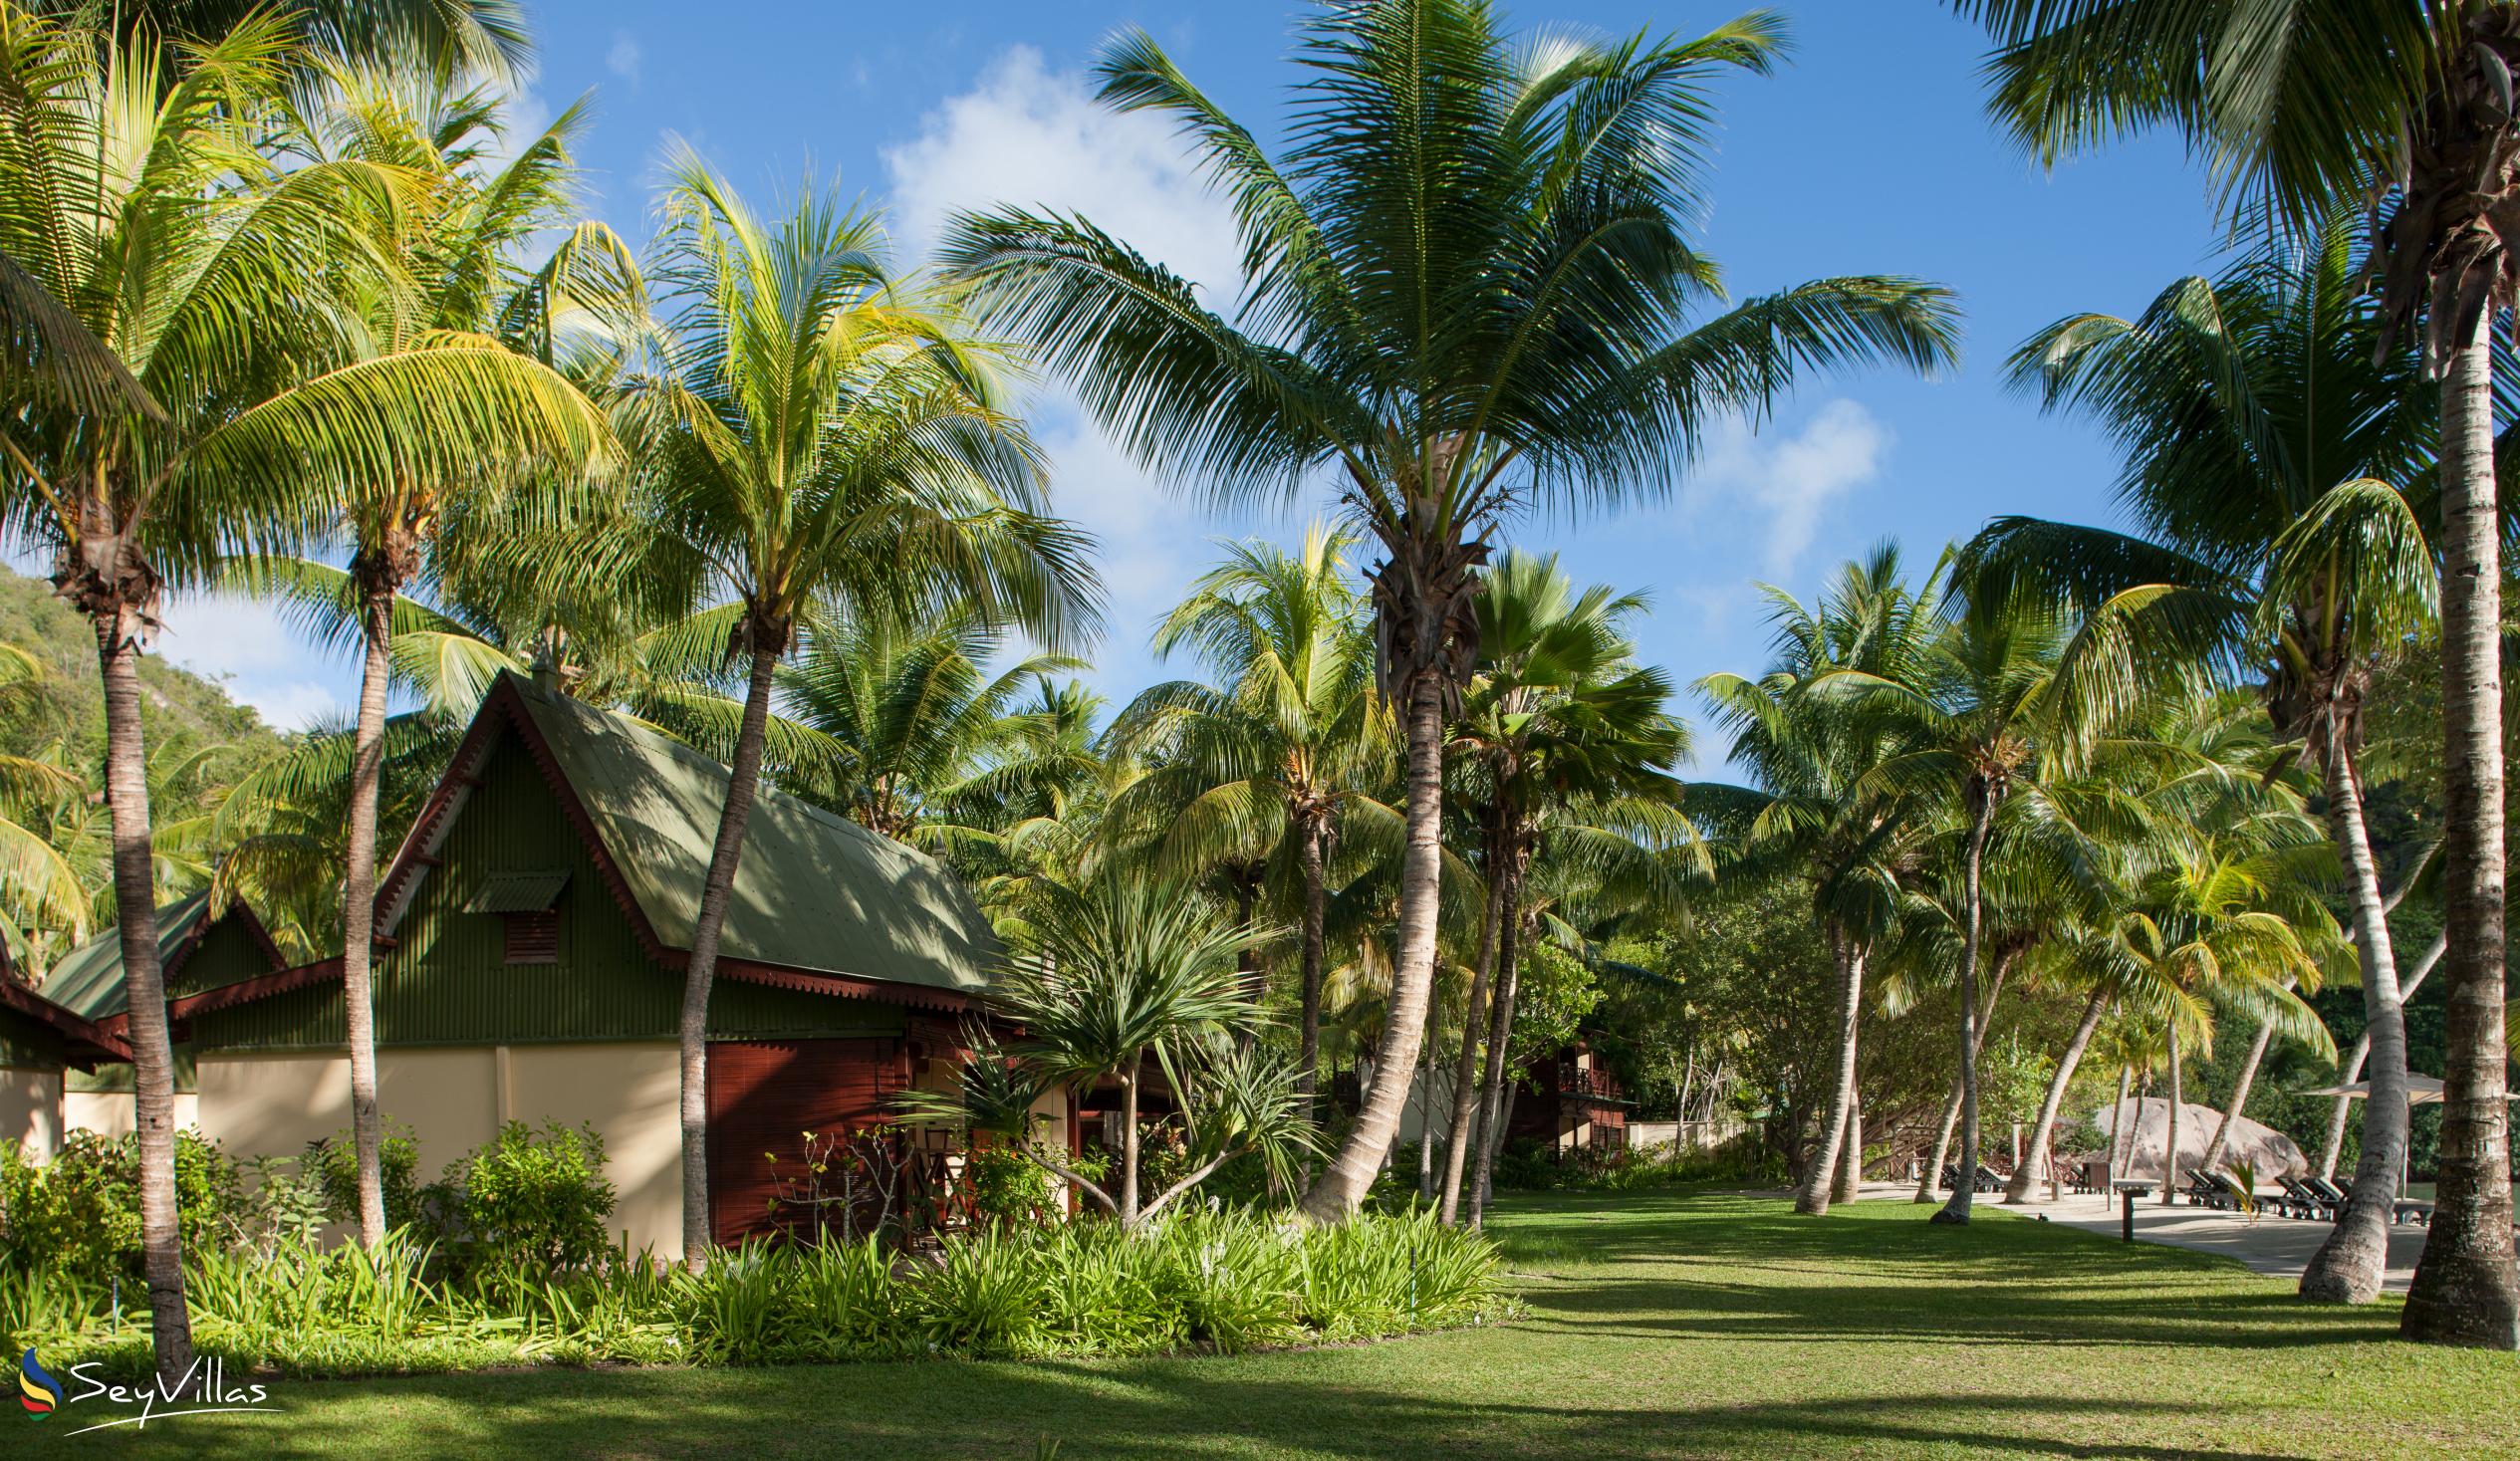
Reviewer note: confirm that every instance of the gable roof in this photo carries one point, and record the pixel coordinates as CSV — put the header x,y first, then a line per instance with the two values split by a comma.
x,y
820,902
86,1041
89,980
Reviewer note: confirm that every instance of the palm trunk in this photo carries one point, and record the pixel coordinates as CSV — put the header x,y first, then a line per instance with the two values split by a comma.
x,y
1820,1178
359,913
1951,1104
1851,1169
1466,1070
2043,1130
1491,1147
1426,1106
153,1054
2119,1127
1316,918
2239,1094
2348,1268
2353,1069
1128,1146
1342,1184
2169,1125
1964,1191
744,777
1495,1104
2465,1289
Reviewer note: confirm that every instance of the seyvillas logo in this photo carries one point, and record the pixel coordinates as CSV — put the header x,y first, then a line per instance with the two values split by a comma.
x,y
39,1393
202,1390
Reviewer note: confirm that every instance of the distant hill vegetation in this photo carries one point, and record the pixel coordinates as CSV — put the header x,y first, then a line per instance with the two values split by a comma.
x,y
183,712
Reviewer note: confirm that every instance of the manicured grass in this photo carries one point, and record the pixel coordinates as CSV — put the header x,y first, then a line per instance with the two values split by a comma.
x,y
1657,1325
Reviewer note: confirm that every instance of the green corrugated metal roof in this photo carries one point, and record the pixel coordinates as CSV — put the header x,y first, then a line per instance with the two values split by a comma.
x,y
517,892
89,980
813,892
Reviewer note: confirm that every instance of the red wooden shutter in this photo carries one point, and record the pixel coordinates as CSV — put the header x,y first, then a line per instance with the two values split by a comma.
x,y
764,1095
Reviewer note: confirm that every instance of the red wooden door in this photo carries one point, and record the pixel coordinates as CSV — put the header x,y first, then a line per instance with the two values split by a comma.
x,y
765,1095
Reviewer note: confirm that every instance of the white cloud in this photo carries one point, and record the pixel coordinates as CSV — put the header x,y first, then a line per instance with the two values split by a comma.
x,y
1790,481
622,58
1034,137
264,661
1027,135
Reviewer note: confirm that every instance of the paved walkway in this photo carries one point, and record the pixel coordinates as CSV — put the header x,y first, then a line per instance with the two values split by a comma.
x,y
2281,1246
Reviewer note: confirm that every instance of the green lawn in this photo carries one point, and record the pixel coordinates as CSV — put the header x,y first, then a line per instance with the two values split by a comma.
x,y
1659,1325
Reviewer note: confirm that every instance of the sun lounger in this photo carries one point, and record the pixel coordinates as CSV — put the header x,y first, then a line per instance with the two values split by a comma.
x,y
2300,1200
2242,1199
2204,1191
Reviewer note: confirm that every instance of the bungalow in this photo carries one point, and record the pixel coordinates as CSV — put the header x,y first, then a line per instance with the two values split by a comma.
x,y
200,949
531,936
39,1043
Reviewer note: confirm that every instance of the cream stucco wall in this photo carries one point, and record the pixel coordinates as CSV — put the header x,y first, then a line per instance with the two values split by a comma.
x,y
110,1113
631,1094
31,1111
453,1100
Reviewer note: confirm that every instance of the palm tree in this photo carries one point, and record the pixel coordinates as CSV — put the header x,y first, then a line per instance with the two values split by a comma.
x,y
460,254
1127,971
1464,298
2260,427
2310,106
912,713
822,441
1568,745
1812,808
1271,766
2186,759
150,437
2215,930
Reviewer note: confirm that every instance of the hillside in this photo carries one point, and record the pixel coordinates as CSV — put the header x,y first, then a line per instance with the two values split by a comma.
x,y
183,712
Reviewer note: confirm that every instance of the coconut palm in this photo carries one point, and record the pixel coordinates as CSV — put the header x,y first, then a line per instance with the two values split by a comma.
x,y
462,252
2231,925
198,384
2187,759
819,441
1284,754
912,713
1559,721
2299,564
1566,748
2309,107
1811,810
1465,292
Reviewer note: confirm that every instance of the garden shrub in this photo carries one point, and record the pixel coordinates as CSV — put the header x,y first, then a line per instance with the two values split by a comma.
x,y
333,1164
79,1214
534,1198
1006,1186
1223,1281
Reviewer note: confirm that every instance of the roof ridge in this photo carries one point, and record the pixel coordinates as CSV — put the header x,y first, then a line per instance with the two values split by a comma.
x,y
768,789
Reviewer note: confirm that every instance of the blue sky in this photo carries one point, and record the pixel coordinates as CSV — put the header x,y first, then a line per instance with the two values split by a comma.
x,y
1869,152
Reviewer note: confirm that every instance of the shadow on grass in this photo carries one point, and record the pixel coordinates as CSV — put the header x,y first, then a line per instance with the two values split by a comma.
x,y
1139,1413
1678,1327
1735,1268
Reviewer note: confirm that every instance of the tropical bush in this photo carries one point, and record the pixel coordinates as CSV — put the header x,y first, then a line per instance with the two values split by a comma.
x,y
1006,1186
1528,1164
333,1164
529,1197
1188,1282
79,1214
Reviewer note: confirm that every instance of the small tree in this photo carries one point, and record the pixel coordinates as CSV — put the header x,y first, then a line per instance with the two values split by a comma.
x,y
1121,973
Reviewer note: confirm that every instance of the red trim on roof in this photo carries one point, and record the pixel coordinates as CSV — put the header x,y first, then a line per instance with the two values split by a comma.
x,y
100,1043
245,991
916,996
